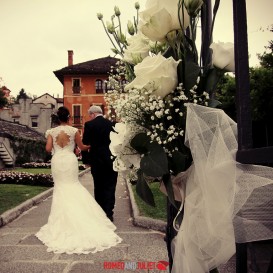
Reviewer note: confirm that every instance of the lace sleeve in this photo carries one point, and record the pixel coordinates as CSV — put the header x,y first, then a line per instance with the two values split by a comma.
x,y
75,130
47,133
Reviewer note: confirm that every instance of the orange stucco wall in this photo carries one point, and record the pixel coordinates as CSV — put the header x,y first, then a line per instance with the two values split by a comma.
x,y
85,98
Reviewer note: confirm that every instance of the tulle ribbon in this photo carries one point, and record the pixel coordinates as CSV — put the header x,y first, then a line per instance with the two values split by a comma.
x,y
224,201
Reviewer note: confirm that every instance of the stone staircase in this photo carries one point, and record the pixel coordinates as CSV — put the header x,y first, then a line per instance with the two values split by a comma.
x,y
6,156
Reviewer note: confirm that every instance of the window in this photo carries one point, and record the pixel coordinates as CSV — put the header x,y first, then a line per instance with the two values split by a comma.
x,y
106,86
34,122
76,86
77,118
99,87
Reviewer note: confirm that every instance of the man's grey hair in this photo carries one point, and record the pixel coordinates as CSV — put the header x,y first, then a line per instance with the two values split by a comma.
x,y
95,109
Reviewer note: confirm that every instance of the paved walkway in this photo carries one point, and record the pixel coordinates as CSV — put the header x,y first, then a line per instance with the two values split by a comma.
x,y
143,245
22,252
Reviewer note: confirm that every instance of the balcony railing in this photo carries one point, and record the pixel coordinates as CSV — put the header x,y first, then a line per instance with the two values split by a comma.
x,y
77,120
76,89
99,91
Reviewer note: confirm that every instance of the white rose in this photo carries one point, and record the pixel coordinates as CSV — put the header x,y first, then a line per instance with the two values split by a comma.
x,y
118,138
160,17
120,147
138,48
223,56
157,73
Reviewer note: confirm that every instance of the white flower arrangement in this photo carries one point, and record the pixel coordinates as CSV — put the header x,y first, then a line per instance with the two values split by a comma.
x,y
162,72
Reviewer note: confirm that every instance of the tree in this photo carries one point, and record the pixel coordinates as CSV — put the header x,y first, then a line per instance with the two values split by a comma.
x,y
3,99
22,95
225,93
261,96
266,59
261,93
261,88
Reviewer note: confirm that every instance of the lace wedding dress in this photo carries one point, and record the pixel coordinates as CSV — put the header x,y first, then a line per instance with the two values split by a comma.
x,y
76,223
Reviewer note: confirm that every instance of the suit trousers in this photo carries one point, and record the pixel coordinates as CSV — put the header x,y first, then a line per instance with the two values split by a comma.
x,y
105,181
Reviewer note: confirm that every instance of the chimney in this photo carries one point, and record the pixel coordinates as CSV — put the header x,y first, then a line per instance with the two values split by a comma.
x,y
70,57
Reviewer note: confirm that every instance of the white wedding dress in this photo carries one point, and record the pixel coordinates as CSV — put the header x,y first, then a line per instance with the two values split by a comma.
x,y
76,223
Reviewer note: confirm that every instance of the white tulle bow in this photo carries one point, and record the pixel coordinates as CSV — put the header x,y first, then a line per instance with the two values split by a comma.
x,y
224,200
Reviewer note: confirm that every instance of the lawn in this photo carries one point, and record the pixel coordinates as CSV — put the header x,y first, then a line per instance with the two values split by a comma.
x,y
13,195
157,212
33,170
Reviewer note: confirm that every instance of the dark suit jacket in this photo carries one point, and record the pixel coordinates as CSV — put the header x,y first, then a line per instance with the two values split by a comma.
x,y
97,135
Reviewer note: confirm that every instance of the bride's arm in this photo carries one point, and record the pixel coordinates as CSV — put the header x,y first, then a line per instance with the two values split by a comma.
x,y
49,143
78,141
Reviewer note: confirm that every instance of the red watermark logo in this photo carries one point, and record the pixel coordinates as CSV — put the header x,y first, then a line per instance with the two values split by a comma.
x,y
129,265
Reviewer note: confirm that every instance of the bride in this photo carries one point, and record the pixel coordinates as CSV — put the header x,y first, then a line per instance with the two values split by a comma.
x,y
76,223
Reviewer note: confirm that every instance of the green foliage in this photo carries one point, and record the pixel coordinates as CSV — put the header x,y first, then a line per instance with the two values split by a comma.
x,y
28,150
24,178
261,93
266,59
155,164
3,99
22,95
226,92
35,165
143,190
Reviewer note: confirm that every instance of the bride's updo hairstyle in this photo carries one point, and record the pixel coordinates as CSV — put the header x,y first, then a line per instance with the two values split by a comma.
x,y
63,114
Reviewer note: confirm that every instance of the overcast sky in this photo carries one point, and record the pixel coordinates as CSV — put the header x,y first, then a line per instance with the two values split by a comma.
x,y
36,34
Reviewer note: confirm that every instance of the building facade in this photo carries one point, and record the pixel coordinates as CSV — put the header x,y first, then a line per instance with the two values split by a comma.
x,y
84,85
34,113
11,132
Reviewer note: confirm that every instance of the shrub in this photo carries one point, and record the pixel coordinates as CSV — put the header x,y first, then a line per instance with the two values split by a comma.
x,y
36,165
22,178
45,165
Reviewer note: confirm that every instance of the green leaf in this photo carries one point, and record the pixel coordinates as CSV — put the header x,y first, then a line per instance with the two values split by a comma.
x,y
155,162
192,71
169,52
169,188
140,142
178,162
213,103
214,76
143,190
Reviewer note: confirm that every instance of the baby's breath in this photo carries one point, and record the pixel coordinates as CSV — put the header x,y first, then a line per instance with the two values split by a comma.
x,y
162,119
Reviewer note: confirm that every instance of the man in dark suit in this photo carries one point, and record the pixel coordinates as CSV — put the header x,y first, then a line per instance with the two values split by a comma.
x,y
97,135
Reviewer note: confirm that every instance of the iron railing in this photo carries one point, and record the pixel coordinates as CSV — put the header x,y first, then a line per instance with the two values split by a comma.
x,y
77,120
